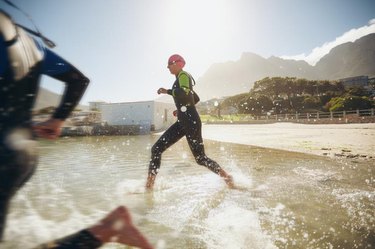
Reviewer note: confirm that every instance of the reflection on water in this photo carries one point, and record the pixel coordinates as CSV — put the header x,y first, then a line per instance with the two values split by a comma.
x,y
285,200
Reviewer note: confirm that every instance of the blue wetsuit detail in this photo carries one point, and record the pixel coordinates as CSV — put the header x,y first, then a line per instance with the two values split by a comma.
x,y
54,64
3,58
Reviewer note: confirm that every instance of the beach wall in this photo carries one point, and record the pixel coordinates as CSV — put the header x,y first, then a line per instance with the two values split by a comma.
x,y
342,117
343,120
109,130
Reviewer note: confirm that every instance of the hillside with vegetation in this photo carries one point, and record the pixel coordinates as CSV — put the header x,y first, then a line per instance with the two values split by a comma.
x,y
279,95
47,101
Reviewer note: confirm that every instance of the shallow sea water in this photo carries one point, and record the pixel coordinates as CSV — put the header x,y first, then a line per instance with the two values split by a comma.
x,y
283,200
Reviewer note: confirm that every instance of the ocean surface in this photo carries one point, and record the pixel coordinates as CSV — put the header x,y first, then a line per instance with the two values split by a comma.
x,y
284,199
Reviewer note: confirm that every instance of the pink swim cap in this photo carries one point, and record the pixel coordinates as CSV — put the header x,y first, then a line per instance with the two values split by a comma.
x,y
176,59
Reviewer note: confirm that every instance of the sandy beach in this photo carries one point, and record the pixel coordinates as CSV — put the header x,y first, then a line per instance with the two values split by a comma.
x,y
336,140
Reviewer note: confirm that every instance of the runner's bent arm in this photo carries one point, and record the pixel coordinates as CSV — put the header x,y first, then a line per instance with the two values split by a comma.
x,y
76,83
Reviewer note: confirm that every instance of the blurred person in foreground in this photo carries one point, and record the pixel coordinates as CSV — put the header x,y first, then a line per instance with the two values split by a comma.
x,y
22,62
188,124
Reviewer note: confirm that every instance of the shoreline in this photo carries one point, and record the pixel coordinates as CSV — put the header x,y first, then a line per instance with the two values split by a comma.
x,y
351,141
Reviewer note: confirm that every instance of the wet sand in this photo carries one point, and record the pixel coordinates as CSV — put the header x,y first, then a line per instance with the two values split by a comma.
x,y
336,140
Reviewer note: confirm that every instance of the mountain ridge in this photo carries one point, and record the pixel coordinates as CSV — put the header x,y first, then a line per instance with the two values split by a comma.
x,y
234,77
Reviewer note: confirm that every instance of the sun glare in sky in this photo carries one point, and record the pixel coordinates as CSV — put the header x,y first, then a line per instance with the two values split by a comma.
x,y
123,45
201,28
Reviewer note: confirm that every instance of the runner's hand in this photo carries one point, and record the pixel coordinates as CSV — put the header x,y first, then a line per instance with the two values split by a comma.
x,y
162,90
50,129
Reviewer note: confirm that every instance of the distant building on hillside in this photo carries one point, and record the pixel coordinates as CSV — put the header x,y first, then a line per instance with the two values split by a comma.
x,y
149,115
371,82
360,81
357,81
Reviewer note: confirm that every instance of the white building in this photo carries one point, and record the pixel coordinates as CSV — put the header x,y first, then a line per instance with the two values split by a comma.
x,y
150,115
96,105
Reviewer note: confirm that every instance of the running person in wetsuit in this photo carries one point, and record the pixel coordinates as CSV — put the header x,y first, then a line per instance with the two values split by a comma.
x,y
188,124
22,62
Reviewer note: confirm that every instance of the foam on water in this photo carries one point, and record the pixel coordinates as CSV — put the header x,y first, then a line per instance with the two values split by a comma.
x,y
130,186
229,226
32,228
360,206
317,175
176,203
241,180
202,208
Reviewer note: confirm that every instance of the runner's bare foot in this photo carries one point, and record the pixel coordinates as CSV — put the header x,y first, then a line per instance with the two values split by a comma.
x,y
227,178
118,227
229,181
150,182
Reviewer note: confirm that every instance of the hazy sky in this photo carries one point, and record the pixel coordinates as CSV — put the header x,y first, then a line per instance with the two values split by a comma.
x,y
123,45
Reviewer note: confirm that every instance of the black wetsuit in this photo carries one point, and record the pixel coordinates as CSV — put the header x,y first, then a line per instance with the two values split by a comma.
x,y
22,62
188,124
